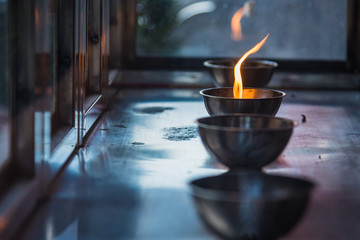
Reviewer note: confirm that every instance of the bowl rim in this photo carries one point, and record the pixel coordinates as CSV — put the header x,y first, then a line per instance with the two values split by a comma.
x,y
215,63
234,196
291,123
282,93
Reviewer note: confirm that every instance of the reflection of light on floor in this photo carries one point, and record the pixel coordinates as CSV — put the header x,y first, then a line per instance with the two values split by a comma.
x,y
4,134
158,174
69,233
195,9
285,171
42,136
49,234
168,162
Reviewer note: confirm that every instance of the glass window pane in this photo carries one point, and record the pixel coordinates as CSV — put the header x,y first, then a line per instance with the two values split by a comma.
x,y
4,84
299,29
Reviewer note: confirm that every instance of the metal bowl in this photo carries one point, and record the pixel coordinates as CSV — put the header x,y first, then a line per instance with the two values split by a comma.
x,y
254,73
221,101
245,141
250,204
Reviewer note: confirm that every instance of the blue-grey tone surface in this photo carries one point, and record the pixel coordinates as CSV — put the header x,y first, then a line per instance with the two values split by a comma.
x,y
131,181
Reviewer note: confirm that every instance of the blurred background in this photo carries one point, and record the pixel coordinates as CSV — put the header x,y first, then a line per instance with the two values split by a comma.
x,y
299,29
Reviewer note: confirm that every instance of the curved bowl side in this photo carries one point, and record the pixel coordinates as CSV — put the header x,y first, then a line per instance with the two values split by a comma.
x,y
250,204
220,101
245,149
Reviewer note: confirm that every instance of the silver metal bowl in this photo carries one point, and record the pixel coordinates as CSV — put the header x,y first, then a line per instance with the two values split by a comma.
x,y
250,204
243,140
221,101
254,73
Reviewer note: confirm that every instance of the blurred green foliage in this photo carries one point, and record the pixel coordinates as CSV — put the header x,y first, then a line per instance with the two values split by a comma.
x,y
156,21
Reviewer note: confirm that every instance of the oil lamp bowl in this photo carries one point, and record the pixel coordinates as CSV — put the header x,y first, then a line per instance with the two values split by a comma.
x,y
221,101
250,204
254,73
245,140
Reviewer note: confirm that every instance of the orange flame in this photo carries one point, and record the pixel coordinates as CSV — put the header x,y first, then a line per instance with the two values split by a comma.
x,y
238,86
236,32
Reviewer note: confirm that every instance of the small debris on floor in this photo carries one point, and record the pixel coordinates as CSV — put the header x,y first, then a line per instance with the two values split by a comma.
x,y
303,118
320,159
180,134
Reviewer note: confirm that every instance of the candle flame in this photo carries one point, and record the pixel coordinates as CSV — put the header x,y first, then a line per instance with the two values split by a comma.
x,y
236,32
238,86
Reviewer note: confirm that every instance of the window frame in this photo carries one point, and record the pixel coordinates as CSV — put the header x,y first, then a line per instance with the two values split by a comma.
x,y
90,88
37,86
19,169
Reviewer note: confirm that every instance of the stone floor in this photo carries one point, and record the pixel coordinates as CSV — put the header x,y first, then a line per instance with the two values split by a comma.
x,y
131,180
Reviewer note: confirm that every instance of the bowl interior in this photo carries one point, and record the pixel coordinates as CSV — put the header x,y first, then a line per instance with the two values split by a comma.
x,y
255,73
226,64
248,64
248,93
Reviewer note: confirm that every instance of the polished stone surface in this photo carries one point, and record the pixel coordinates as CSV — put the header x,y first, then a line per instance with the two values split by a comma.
x,y
131,180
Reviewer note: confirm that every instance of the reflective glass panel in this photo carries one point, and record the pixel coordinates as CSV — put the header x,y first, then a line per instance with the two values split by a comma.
x,y
299,29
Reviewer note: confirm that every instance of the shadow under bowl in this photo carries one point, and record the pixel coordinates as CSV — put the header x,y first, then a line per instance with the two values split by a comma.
x,y
261,101
245,140
254,73
250,204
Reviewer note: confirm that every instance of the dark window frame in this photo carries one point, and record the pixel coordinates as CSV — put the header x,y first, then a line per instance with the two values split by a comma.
x,y
38,81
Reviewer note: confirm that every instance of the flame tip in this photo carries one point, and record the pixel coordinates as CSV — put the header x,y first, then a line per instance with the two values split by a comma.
x,y
238,88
